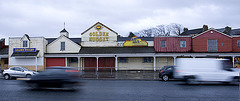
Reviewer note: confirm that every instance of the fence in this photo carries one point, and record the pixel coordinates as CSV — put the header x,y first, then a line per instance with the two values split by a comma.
x,y
122,73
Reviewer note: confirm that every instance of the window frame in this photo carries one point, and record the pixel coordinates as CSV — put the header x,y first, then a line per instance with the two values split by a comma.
x,y
163,44
123,60
62,46
238,43
147,60
24,43
183,42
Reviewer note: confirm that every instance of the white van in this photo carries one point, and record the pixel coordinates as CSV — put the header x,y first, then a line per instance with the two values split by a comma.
x,y
194,70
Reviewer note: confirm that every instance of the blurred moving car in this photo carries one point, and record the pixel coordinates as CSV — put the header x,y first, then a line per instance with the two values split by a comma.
x,y
18,72
205,70
55,77
166,73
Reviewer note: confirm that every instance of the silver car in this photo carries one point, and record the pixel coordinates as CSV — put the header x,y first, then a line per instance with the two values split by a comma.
x,y
18,72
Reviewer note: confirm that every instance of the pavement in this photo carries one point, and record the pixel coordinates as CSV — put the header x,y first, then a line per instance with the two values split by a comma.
x,y
118,75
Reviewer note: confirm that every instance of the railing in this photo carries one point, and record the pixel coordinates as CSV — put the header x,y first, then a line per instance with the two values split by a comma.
x,y
121,73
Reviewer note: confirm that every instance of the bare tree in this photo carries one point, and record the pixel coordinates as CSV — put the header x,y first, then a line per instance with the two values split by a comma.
x,y
177,29
161,30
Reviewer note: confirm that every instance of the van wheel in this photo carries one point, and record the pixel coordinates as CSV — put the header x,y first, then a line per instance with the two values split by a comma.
x,y
236,80
191,80
165,78
6,76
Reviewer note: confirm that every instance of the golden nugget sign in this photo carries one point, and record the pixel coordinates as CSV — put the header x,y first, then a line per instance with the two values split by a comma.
x,y
135,41
24,49
98,36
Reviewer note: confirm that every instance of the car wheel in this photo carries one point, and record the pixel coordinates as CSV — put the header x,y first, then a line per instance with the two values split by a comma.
x,y
28,76
6,76
165,78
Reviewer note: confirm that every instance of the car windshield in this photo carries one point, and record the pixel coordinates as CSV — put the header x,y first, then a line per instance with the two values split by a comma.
x,y
25,69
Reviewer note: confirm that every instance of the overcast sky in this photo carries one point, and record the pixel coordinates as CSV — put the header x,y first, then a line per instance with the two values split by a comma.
x,y
46,17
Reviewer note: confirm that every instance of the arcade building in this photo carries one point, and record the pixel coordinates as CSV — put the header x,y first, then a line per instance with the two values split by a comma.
x,y
102,48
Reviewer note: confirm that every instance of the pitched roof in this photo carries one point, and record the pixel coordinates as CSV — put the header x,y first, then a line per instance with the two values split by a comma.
x,y
214,30
76,40
199,30
192,31
128,38
100,24
64,30
115,50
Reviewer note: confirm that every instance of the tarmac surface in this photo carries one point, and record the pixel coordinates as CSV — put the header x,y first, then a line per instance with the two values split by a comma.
x,y
118,75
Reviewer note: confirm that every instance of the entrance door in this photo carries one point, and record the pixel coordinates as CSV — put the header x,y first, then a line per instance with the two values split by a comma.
x,y
90,63
212,45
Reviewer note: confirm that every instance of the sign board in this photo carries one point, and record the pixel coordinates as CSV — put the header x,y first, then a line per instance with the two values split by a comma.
x,y
98,36
135,41
24,49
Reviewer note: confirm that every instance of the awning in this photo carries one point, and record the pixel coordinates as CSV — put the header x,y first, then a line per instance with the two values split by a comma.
x,y
25,54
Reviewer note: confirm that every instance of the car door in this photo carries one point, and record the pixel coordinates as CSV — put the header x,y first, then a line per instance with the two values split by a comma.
x,y
169,71
19,72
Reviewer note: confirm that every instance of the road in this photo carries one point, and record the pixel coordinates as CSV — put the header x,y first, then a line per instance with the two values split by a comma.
x,y
122,90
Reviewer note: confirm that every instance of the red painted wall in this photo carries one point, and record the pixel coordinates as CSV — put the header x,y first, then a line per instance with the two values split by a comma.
x,y
90,62
172,44
199,43
234,43
106,62
55,62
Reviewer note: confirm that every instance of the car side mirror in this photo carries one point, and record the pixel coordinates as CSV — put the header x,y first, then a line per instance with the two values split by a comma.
x,y
22,70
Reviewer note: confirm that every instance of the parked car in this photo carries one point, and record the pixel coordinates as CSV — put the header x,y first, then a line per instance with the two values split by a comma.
x,y
55,77
18,72
166,73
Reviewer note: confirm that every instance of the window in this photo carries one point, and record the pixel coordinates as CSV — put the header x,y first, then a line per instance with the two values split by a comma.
x,y
147,60
163,44
5,61
212,45
182,44
123,60
238,43
25,43
62,46
73,60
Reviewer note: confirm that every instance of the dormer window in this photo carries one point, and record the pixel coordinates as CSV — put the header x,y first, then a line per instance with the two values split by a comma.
x,y
25,43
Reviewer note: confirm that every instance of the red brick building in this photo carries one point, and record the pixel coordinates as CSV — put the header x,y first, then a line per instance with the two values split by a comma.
x,y
212,41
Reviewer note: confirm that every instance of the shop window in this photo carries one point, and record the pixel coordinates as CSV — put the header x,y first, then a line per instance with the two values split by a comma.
x,y
24,43
147,60
123,60
62,46
163,44
182,44
238,43
73,60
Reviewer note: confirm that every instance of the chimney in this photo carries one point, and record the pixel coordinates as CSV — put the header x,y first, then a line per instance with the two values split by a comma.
x,y
205,27
185,29
227,30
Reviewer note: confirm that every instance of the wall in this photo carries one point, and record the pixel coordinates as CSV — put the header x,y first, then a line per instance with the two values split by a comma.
x,y
164,61
135,64
112,37
234,43
172,44
199,43
35,42
70,46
